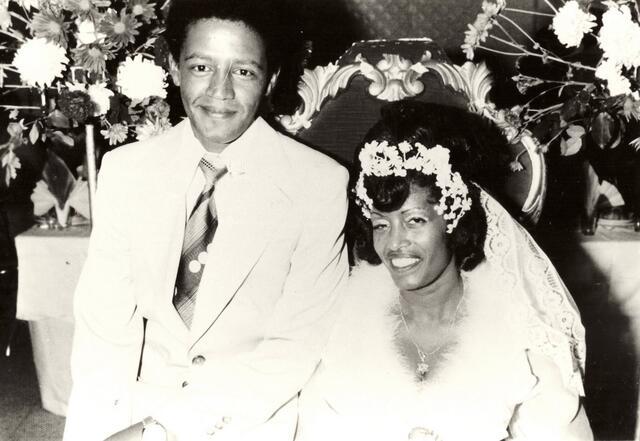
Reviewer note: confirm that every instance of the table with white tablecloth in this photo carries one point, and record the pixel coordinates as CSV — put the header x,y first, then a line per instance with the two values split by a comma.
x,y
49,265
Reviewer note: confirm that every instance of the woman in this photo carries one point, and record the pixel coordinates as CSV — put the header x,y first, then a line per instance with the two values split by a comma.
x,y
468,334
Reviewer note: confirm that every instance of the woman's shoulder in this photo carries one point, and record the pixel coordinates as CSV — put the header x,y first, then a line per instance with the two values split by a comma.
x,y
369,286
365,327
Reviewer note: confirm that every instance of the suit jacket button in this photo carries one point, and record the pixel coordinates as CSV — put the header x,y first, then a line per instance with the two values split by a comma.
x,y
185,383
198,360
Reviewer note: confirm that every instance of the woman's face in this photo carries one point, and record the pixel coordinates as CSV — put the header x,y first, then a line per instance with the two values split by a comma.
x,y
412,241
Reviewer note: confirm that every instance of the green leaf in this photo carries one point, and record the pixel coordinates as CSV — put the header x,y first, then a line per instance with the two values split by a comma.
x,y
62,138
34,133
58,177
570,147
604,128
58,119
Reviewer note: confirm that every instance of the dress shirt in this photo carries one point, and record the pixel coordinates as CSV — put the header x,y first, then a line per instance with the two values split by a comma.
x,y
198,181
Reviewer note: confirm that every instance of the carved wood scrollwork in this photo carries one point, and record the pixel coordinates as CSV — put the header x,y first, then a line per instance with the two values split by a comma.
x,y
394,78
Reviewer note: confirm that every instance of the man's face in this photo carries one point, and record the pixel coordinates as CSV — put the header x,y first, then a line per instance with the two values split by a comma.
x,y
222,75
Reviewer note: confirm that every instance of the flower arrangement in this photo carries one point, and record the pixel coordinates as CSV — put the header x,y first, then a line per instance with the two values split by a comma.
x,y
97,62
580,81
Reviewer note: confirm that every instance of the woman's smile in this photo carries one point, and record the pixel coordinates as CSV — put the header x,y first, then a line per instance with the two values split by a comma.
x,y
404,263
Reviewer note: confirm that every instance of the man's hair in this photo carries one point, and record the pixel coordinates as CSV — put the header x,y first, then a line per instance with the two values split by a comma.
x,y
473,144
268,18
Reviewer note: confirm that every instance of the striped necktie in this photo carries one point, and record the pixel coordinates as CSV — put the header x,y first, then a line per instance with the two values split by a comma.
x,y
198,235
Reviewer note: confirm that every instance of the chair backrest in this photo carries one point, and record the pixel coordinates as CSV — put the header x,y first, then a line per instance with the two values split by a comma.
x,y
342,101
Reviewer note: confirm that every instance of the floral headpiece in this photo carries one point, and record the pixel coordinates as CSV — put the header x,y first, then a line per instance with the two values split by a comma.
x,y
382,159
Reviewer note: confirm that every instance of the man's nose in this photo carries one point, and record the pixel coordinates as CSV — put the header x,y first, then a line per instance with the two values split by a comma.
x,y
221,85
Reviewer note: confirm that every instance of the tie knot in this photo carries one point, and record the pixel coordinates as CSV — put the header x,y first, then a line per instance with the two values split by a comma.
x,y
211,172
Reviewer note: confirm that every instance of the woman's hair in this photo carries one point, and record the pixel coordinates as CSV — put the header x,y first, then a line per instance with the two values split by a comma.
x,y
475,146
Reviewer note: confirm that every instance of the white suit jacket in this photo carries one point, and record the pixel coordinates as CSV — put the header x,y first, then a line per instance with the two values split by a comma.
x,y
265,303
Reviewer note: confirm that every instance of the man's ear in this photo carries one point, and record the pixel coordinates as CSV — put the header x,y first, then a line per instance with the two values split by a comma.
x,y
272,82
174,71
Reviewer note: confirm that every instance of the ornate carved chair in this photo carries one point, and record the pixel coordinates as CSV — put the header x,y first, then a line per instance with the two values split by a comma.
x,y
342,100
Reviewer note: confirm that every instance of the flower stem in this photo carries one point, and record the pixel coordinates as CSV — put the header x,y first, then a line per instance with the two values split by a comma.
x,y
9,68
541,56
519,155
544,92
554,137
496,51
502,28
13,35
20,18
524,11
553,8
563,82
539,113
518,27
9,106
515,45
548,109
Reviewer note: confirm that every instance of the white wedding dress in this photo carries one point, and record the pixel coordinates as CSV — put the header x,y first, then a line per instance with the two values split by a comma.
x,y
515,372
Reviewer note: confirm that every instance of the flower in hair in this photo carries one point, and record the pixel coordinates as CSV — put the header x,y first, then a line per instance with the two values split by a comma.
x,y
382,159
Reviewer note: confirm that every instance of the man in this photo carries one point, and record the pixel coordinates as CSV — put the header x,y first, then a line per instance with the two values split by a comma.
x,y
228,359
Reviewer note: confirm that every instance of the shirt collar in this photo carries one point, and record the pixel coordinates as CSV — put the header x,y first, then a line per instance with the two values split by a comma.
x,y
241,154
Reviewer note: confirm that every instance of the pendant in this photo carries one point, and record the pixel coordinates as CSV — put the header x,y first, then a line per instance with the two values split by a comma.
x,y
422,370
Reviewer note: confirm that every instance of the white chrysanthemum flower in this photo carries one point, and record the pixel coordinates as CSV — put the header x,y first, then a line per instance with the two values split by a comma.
x,y
619,36
39,62
139,79
29,4
493,8
100,95
611,72
571,23
404,147
477,33
116,134
152,128
145,131
87,33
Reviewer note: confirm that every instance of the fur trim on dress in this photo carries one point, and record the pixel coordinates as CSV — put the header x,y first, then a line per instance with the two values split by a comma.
x,y
470,394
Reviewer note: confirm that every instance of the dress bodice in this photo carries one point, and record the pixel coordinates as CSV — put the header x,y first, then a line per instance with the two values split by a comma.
x,y
366,389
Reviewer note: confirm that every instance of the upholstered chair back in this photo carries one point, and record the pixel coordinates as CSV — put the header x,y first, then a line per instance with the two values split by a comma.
x,y
341,102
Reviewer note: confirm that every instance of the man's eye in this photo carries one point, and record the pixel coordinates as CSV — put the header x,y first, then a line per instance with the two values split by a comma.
x,y
200,68
247,73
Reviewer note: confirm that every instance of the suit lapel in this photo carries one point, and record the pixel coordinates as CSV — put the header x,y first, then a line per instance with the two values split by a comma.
x,y
253,205
237,246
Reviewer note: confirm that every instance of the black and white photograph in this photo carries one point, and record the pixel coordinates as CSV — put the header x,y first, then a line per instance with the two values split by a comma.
x,y
319,220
